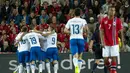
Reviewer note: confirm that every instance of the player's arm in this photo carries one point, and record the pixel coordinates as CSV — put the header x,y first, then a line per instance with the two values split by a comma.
x,y
48,33
66,31
67,27
122,37
44,34
101,28
85,27
91,46
21,36
120,28
18,39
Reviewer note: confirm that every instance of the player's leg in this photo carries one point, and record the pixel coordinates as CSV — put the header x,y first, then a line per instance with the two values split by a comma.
x,y
33,59
48,66
43,59
114,54
80,61
55,58
81,46
98,56
16,70
49,56
74,51
39,56
106,54
27,61
21,61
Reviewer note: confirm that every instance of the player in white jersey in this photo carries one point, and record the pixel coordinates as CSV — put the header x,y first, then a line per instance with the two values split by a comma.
x,y
23,51
76,26
35,49
50,48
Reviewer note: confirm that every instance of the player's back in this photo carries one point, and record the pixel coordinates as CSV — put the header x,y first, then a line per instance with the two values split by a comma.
x,y
23,45
52,40
33,39
76,26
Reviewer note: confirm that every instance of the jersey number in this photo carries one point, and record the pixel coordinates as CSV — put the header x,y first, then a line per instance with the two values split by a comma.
x,y
33,40
53,41
75,29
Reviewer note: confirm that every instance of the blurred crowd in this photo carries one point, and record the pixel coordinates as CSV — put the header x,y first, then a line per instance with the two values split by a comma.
x,y
16,13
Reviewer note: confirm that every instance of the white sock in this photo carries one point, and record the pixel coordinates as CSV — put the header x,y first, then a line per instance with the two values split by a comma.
x,y
80,65
75,61
28,67
33,68
20,68
40,67
55,68
48,67
16,70
43,65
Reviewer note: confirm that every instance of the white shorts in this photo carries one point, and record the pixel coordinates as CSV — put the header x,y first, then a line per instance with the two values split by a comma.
x,y
110,51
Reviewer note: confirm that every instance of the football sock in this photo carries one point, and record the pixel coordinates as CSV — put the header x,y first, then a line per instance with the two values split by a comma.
x,y
55,67
80,62
105,69
40,67
33,68
28,67
94,66
113,67
48,67
20,68
75,61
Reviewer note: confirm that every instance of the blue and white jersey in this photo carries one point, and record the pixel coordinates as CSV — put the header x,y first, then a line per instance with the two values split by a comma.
x,y
33,39
51,41
23,45
76,26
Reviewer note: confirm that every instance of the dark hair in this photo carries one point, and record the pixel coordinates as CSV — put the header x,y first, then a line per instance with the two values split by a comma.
x,y
24,29
112,7
52,27
32,26
77,12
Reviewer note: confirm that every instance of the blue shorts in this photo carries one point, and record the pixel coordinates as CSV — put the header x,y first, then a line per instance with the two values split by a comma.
x,y
43,55
23,57
52,54
77,46
35,54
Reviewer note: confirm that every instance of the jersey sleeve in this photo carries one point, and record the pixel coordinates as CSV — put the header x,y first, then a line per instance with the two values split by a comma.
x,y
101,24
119,25
18,36
67,25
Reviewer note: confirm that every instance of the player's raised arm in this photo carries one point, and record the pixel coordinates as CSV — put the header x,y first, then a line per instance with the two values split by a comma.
x,y
20,35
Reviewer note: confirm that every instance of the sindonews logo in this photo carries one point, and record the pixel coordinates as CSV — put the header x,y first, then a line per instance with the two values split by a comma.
x,y
66,64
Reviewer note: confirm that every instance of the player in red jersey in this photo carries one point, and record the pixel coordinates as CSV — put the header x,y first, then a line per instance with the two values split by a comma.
x,y
109,29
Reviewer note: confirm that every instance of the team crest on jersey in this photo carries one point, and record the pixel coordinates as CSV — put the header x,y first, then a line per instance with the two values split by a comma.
x,y
105,22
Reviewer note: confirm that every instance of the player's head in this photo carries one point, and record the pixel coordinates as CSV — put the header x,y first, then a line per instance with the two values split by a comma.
x,y
77,11
111,11
51,28
24,29
32,27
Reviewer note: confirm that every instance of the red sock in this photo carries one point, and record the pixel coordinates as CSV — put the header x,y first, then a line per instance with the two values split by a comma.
x,y
113,67
108,65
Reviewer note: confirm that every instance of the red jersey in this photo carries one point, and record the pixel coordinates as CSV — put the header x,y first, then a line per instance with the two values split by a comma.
x,y
111,28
